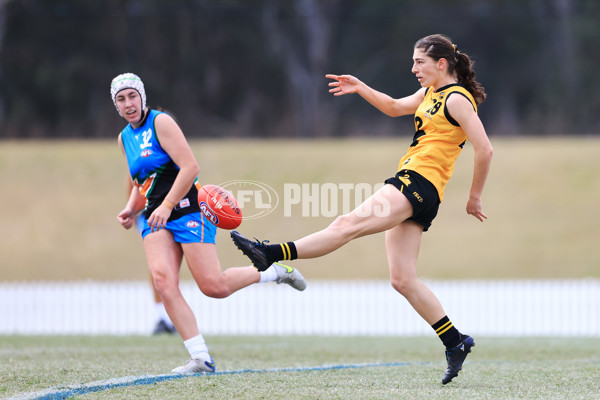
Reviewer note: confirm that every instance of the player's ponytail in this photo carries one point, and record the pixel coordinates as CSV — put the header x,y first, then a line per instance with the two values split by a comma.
x,y
466,77
440,46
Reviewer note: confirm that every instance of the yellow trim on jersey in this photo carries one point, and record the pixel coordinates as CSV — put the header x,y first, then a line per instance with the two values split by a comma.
x,y
438,140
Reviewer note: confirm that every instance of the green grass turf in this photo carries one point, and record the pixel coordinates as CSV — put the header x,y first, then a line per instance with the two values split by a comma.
x,y
60,201
498,368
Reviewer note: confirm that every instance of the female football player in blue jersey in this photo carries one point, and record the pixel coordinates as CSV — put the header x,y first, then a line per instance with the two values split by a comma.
x,y
445,115
164,173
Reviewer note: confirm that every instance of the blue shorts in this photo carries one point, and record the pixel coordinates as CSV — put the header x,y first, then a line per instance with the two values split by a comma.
x,y
191,228
139,222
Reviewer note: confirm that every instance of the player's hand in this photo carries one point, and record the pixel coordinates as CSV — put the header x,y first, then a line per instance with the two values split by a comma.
x,y
343,84
474,208
126,218
158,219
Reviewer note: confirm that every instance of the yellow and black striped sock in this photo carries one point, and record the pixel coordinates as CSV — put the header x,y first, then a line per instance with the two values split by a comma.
x,y
447,333
281,251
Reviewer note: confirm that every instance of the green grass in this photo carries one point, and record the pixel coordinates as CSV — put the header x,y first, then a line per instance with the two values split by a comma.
x,y
58,221
60,201
498,368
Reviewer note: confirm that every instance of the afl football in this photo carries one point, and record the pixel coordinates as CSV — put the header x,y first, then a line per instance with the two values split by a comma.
x,y
219,207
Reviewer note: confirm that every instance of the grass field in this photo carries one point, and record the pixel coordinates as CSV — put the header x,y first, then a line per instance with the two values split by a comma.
x,y
58,222
305,368
60,201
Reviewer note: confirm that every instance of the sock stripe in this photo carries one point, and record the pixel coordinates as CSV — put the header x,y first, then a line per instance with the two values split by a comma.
x,y
447,332
289,253
286,251
443,328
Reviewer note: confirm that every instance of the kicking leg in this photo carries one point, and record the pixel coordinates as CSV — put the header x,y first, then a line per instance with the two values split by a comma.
x,y
384,209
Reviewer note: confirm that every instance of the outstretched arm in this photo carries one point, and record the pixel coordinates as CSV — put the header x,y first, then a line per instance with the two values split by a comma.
x,y
345,84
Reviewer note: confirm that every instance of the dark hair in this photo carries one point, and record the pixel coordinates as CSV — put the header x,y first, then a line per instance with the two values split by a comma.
x,y
440,46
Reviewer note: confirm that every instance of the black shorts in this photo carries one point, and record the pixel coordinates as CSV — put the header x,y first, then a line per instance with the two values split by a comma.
x,y
421,193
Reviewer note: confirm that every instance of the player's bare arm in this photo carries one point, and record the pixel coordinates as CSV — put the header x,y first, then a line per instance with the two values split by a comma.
x,y
346,84
462,111
173,142
127,215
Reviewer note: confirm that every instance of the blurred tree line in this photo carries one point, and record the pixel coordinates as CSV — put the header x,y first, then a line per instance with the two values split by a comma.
x,y
256,67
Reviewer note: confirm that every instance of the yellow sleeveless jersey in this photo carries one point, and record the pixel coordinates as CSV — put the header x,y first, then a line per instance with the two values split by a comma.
x,y
438,138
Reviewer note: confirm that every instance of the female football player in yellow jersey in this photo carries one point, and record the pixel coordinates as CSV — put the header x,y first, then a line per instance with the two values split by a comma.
x,y
445,114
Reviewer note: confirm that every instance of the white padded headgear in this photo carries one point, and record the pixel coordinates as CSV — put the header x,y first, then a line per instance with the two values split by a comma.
x,y
127,81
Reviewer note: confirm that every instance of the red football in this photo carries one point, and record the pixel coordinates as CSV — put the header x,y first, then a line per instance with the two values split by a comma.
x,y
219,207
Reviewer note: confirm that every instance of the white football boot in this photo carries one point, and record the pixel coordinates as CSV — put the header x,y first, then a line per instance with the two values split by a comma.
x,y
196,365
289,276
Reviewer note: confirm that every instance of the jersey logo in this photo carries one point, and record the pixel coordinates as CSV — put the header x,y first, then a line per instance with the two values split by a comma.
x,y
145,153
183,203
147,136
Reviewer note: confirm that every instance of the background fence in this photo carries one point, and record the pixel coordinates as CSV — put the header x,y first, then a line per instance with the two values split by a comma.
x,y
498,308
